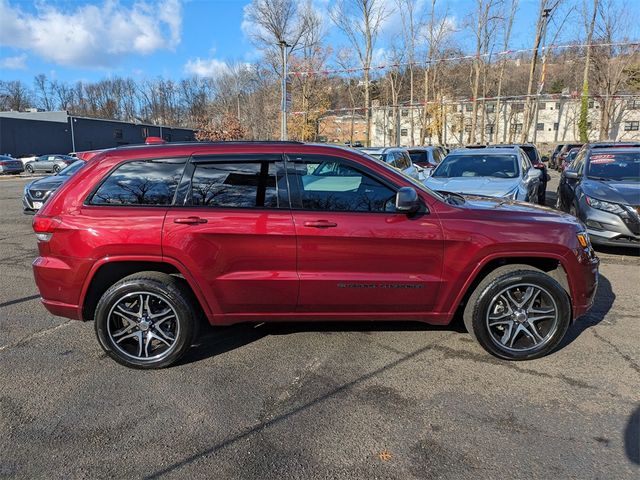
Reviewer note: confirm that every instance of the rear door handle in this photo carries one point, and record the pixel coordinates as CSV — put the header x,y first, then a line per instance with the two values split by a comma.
x,y
320,224
190,220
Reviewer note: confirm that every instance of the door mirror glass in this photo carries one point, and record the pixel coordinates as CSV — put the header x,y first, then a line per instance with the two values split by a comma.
x,y
407,200
571,174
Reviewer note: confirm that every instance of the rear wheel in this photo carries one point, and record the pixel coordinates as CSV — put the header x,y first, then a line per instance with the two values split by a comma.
x,y
56,169
518,313
146,320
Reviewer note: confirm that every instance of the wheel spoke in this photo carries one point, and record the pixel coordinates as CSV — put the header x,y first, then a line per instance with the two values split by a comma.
x,y
515,335
120,310
532,328
153,335
141,305
164,334
528,293
541,310
541,317
532,299
162,320
526,331
124,330
507,334
131,335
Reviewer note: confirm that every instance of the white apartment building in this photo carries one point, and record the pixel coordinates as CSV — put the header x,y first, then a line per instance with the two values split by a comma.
x,y
556,121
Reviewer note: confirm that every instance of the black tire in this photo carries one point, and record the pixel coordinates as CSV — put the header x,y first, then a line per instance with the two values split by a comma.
x,y
56,169
476,313
159,288
29,169
542,196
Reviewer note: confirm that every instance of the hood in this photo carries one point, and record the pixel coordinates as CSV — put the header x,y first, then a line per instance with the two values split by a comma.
x,y
488,186
626,192
519,209
48,183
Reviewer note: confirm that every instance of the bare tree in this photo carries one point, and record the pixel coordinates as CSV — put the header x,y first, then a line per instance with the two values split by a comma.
x,y
584,99
506,38
411,24
361,21
546,7
485,18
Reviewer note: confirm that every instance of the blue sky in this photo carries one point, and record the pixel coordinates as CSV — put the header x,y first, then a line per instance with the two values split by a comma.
x,y
93,39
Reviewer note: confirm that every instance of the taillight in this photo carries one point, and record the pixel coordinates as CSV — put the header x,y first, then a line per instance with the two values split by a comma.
x,y
45,227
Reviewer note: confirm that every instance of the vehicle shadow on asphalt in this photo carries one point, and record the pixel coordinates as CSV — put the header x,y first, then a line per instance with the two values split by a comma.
x,y
214,341
632,437
601,306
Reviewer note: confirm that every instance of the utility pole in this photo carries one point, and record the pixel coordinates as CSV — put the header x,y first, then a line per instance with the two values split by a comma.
x,y
283,107
545,15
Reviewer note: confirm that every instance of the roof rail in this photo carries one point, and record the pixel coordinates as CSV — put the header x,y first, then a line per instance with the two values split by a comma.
x,y
217,142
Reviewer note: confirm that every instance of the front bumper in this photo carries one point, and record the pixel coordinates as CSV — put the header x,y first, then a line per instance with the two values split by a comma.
x,y
607,228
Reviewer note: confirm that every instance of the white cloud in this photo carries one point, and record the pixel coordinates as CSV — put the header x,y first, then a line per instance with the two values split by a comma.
x,y
92,35
210,67
18,62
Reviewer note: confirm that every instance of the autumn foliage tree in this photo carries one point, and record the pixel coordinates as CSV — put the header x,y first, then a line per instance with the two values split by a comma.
x,y
229,128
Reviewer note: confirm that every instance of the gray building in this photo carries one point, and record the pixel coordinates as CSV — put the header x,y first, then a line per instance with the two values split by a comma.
x,y
38,133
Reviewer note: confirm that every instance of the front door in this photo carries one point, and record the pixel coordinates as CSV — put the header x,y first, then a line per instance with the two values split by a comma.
x,y
356,254
234,232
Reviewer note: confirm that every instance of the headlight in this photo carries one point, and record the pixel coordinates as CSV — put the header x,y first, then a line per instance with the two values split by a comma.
x,y
607,206
513,194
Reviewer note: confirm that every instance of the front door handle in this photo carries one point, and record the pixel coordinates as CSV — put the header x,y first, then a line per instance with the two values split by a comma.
x,y
320,224
190,220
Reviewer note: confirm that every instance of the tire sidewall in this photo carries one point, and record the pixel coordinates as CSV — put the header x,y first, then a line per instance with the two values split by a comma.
x,y
536,278
170,295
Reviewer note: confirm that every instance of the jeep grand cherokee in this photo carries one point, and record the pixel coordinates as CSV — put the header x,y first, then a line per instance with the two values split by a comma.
x,y
147,240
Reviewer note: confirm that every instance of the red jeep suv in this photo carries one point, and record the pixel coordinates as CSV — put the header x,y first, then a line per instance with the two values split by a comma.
x,y
146,240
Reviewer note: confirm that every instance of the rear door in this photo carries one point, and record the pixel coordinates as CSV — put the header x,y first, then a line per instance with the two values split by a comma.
x,y
356,254
233,231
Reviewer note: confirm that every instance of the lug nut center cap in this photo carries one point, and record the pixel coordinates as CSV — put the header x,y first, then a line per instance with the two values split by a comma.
x,y
520,316
144,325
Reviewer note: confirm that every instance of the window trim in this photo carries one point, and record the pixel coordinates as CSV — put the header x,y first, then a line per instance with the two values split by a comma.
x,y
295,194
92,192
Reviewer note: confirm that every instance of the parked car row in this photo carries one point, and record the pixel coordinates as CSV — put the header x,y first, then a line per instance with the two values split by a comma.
x,y
52,163
601,186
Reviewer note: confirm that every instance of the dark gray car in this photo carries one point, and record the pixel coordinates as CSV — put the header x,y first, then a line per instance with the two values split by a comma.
x,y
38,191
602,188
49,163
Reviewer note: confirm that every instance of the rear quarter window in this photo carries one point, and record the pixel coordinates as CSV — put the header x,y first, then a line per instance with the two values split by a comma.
x,y
140,182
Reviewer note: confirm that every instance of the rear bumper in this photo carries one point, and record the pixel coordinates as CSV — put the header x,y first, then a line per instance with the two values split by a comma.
x,y
60,281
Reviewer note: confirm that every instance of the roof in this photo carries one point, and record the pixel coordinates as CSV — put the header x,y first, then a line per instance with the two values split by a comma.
x,y
485,151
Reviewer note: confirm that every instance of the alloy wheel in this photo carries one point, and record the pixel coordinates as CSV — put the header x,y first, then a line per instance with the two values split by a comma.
x,y
522,317
143,325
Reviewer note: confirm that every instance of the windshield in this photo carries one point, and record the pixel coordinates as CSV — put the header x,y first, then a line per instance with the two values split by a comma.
x,y
418,156
481,165
71,169
615,165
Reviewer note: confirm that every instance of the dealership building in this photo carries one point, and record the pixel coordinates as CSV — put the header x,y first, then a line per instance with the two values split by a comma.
x,y
39,133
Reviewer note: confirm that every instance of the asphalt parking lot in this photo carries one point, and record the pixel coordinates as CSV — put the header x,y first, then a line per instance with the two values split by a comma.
x,y
369,400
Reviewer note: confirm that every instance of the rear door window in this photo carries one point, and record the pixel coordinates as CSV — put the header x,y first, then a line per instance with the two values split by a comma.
x,y
239,184
141,182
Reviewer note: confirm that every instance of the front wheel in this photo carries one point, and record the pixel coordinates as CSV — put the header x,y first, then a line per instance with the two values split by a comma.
x,y
56,169
145,320
29,169
518,313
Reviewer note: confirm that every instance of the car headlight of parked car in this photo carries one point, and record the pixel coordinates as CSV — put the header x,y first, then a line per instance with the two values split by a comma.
x,y
614,208
512,194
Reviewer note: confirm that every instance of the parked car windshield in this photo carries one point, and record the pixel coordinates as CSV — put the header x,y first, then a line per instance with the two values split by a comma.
x,y
613,165
71,169
481,165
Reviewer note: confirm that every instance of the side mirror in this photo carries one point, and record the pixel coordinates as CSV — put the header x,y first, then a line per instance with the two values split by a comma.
x,y
545,158
539,166
533,173
571,174
407,200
